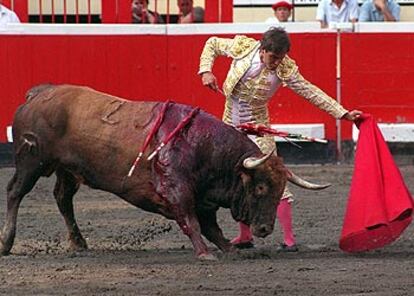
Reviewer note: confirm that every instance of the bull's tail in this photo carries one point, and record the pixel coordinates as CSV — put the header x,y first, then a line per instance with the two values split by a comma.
x,y
36,90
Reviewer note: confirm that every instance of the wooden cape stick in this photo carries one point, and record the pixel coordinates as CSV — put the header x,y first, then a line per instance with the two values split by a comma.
x,y
261,130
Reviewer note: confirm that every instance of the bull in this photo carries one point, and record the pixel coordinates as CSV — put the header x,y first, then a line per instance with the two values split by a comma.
x,y
88,137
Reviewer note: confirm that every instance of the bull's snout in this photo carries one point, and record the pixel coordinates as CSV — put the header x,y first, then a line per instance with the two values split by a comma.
x,y
262,230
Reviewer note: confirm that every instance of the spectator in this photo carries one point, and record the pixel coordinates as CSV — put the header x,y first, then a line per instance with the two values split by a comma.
x,y
258,70
142,15
337,11
189,13
282,10
7,16
379,11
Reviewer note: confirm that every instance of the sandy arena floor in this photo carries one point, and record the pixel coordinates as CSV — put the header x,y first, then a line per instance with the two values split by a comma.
x,y
137,253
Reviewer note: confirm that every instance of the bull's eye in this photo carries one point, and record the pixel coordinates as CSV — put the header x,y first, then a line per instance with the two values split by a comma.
x,y
261,189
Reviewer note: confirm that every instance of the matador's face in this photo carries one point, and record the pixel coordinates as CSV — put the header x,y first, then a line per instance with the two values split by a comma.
x,y
271,59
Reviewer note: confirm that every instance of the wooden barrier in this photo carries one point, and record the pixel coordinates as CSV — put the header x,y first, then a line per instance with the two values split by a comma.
x,y
161,62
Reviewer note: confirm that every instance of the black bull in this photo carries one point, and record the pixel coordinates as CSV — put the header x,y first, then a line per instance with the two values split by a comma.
x,y
89,137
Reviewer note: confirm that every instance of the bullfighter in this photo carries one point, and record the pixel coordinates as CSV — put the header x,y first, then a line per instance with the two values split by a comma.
x,y
258,70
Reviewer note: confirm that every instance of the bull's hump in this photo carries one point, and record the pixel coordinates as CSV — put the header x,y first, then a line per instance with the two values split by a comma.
x,y
88,91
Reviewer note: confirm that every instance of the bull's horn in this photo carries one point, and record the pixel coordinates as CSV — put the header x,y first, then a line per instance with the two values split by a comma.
x,y
253,162
305,184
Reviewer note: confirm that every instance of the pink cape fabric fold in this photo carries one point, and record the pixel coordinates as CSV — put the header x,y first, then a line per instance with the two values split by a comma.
x,y
379,206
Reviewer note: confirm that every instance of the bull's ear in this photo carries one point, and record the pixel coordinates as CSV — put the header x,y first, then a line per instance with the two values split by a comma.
x,y
246,178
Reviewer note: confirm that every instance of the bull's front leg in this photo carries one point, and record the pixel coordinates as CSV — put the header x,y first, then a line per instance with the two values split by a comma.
x,y
211,230
189,224
179,195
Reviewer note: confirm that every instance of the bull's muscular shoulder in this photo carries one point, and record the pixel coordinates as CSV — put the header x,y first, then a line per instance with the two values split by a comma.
x,y
242,46
287,68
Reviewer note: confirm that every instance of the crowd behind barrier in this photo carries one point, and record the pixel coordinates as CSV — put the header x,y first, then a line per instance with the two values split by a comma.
x,y
197,11
187,13
119,11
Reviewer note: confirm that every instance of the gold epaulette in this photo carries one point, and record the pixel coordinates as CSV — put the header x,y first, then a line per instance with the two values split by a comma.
x,y
286,68
242,46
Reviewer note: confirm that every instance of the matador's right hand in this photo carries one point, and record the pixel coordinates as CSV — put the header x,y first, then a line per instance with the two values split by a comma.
x,y
208,79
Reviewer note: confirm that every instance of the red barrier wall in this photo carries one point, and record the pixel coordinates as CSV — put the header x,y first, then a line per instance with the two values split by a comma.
x,y
149,67
378,74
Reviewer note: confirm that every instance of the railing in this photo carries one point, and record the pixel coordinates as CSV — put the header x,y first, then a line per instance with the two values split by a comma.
x,y
64,11
122,11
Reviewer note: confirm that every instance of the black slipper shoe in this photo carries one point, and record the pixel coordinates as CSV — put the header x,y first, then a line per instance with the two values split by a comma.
x,y
287,249
244,245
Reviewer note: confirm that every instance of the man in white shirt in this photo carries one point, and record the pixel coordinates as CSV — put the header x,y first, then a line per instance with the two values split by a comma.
x,y
7,16
337,11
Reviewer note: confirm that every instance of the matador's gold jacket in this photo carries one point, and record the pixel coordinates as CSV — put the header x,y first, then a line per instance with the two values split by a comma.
x,y
242,49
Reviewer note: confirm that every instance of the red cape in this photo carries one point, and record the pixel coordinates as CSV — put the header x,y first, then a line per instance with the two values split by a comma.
x,y
380,206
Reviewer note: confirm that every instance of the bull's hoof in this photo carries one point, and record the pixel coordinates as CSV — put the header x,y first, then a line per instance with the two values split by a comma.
x,y
207,257
78,245
234,250
227,247
244,245
77,248
4,251
283,248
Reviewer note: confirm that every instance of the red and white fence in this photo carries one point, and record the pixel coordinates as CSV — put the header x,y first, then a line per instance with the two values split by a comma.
x,y
160,62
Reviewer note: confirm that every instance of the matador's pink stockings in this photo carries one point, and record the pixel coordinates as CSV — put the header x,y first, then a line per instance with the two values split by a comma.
x,y
245,234
284,215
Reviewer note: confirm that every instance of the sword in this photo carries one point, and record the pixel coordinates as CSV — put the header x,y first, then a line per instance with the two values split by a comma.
x,y
260,130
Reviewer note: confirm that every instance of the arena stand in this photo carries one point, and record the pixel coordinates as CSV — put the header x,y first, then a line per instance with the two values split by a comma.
x,y
110,11
158,62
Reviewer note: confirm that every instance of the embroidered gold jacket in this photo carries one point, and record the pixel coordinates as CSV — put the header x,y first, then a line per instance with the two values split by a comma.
x,y
242,49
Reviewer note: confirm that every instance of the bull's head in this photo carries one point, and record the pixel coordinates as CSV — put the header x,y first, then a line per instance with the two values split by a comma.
x,y
263,181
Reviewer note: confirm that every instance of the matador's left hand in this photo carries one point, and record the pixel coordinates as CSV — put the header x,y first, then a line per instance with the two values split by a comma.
x,y
352,115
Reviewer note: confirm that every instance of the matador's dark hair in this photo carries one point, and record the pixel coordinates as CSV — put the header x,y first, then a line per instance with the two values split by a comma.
x,y
275,40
